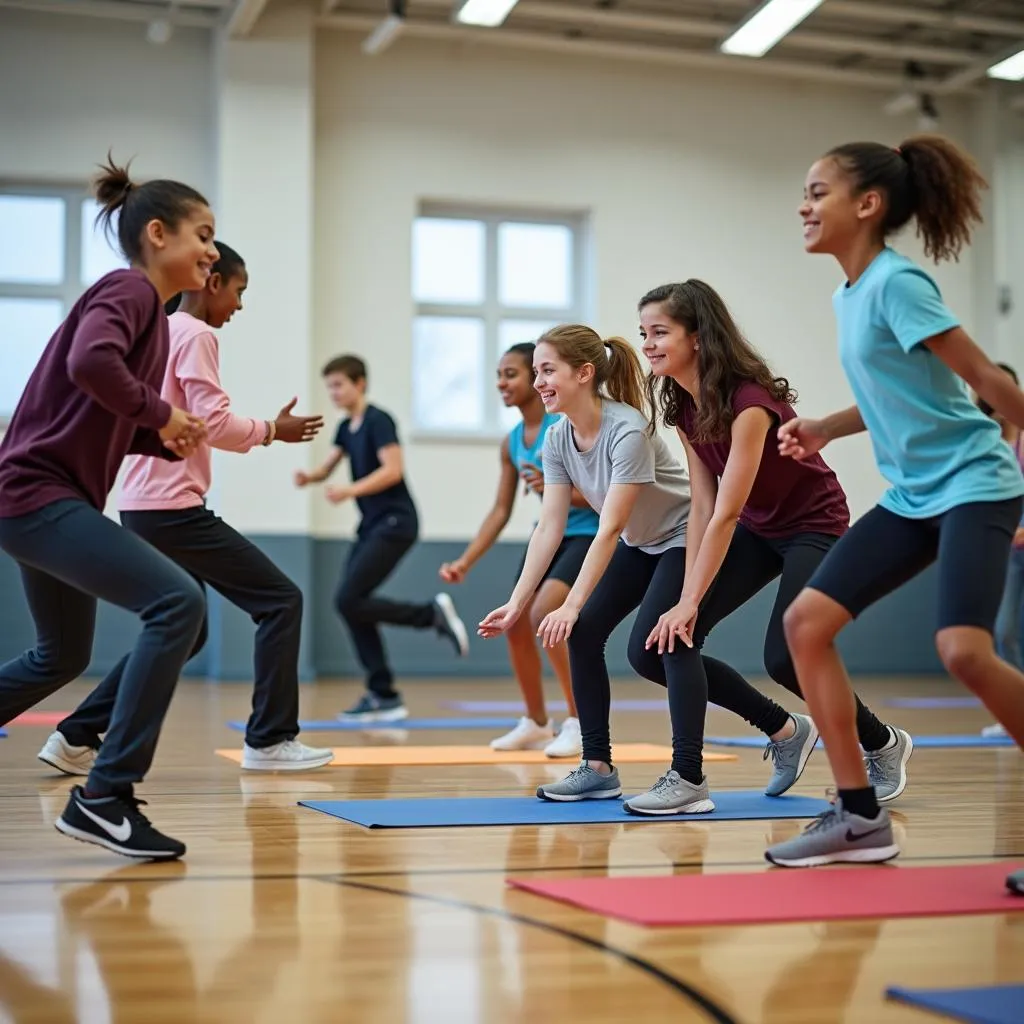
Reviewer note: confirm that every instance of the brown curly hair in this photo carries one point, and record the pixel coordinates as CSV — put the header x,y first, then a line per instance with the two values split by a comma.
x,y
725,361
927,178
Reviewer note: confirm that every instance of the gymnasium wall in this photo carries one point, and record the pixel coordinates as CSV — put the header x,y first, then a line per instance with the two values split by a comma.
x,y
317,158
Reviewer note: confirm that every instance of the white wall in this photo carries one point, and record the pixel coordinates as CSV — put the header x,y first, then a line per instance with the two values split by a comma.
x,y
682,174
73,87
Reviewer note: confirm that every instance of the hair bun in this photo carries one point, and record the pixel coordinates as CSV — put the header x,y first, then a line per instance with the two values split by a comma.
x,y
113,184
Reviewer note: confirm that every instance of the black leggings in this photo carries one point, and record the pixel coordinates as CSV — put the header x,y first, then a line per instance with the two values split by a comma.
x,y
652,582
750,564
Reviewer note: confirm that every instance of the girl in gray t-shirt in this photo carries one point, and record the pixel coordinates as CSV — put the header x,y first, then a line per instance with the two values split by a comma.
x,y
603,447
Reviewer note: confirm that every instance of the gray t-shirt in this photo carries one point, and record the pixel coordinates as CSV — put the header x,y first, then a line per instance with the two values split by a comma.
x,y
624,453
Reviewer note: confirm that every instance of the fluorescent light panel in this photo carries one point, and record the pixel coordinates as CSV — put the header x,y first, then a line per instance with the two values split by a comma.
x,y
1010,70
773,20
489,13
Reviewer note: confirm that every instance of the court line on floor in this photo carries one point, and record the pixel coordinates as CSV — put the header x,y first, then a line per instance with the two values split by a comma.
x,y
319,876
689,992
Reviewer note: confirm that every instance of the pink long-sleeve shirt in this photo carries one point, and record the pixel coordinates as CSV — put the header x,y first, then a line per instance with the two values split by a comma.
x,y
192,382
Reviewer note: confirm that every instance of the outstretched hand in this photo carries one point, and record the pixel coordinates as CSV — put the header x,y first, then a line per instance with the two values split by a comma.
x,y
499,621
294,429
556,626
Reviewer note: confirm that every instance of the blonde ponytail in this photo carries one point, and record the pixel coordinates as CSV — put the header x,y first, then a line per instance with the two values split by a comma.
x,y
625,378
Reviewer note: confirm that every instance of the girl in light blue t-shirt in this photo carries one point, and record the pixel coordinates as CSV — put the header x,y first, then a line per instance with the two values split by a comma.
x,y
521,461
955,487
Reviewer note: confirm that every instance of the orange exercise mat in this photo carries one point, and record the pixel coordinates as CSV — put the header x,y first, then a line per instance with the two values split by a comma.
x,y
625,753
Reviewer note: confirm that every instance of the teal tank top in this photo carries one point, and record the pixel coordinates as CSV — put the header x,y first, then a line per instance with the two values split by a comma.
x,y
582,522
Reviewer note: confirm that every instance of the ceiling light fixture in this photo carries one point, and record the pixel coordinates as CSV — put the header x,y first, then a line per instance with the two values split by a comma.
x,y
767,25
488,13
1009,70
384,34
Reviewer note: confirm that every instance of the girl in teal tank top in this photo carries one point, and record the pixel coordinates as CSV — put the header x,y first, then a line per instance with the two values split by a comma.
x,y
521,456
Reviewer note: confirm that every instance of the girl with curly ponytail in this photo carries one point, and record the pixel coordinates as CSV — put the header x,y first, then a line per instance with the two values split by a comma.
x,y
956,489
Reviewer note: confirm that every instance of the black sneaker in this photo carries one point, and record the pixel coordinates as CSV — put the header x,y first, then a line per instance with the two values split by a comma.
x,y
371,708
116,823
449,625
1015,882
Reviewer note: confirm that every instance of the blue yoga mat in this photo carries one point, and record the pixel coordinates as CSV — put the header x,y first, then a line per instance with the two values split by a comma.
x,y
932,703
730,805
994,1004
477,706
337,725
919,741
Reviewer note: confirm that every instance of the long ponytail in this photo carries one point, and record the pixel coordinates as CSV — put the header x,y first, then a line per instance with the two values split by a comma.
x,y
927,178
616,365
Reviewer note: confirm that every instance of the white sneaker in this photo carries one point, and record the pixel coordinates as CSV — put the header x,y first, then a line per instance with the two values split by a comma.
x,y
70,760
289,756
527,735
994,731
568,742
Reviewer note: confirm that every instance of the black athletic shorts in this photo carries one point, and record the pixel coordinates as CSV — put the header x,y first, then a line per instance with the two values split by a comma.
x,y
568,560
882,551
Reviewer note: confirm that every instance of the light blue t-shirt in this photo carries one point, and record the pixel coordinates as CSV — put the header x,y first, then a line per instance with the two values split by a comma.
x,y
582,522
932,443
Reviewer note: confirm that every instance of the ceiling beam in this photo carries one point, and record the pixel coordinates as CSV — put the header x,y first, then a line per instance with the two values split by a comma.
x,y
890,14
706,28
179,16
628,51
244,16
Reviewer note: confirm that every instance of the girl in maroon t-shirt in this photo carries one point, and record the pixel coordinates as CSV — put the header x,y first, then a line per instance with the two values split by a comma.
x,y
756,516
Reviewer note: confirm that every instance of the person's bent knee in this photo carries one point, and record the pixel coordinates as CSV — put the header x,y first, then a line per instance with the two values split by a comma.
x,y
291,601
587,634
188,602
804,625
645,663
778,663
966,653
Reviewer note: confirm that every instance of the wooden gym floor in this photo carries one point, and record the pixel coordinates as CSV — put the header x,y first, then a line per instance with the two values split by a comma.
x,y
281,913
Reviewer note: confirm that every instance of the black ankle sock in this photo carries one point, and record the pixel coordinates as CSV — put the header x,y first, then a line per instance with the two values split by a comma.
x,y
694,776
860,801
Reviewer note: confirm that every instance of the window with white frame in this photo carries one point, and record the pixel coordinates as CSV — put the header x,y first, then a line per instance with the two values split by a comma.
x,y
50,252
483,281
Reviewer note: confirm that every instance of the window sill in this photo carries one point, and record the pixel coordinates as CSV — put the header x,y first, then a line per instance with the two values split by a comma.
x,y
489,438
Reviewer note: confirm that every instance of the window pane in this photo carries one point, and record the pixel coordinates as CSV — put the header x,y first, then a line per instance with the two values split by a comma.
x,y
535,265
512,332
26,325
447,357
31,240
448,260
98,257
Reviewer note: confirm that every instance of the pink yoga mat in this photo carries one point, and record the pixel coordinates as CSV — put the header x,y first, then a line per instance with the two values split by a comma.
x,y
789,894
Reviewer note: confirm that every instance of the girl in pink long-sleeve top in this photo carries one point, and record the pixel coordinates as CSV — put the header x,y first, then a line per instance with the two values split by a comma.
x,y
165,503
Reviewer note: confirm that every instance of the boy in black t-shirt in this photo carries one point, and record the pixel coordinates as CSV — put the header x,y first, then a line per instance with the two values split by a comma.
x,y
387,530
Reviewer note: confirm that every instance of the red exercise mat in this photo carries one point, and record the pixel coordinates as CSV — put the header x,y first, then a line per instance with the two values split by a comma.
x,y
48,718
789,894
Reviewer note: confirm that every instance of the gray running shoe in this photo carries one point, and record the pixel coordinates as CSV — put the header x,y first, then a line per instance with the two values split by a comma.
x,y
835,837
887,769
672,794
583,783
790,756
1015,882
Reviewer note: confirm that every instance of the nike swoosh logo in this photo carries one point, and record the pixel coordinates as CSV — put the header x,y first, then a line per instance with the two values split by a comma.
x,y
852,836
120,832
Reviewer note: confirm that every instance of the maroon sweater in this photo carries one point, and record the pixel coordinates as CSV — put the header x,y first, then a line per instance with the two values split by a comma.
x,y
93,398
789,496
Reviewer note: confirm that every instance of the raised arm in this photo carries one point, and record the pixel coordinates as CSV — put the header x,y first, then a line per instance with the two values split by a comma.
x,y
963,356
494,522
554,512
